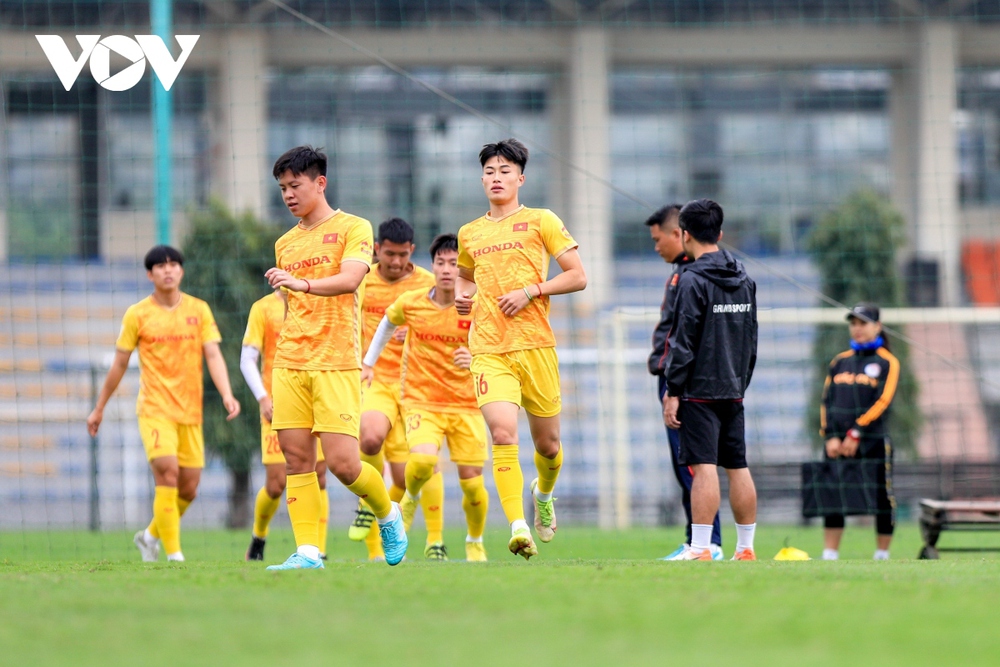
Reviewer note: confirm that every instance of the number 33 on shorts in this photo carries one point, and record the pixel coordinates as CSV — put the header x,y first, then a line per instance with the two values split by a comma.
x,y
412,422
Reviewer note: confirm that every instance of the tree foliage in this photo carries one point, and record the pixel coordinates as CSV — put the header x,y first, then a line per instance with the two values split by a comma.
x,y
855,246
225,260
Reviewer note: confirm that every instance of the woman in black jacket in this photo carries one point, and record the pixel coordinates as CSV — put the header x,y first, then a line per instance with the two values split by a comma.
x,y
857,394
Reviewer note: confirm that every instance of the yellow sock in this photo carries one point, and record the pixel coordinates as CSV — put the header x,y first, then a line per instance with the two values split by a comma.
x,y
374,543
264,509
182,506
548,470
476,503
376,461
432,502
302,495
370,487
419,470
324,518
167,518
509,481
396,493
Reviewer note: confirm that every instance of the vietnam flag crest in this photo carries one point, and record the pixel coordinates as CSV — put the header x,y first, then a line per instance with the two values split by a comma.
x,y
521,227
330,238
465,324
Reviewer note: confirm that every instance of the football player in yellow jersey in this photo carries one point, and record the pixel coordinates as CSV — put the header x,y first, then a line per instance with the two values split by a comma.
x,y
504,257
438,398
259,343
172,331
381,422
321,266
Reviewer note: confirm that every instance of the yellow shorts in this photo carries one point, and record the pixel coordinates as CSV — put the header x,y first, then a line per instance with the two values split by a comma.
x,y
529,378
324,401
162,437
270,450
384,398
466,433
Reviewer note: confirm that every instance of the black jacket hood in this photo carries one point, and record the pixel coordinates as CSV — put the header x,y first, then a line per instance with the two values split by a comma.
x,y
721,268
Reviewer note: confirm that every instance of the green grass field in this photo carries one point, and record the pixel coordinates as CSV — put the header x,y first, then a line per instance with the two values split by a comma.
x,y
590,598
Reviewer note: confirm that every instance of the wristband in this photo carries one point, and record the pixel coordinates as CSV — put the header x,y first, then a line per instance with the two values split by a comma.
x,y
528,294
854,433
308,286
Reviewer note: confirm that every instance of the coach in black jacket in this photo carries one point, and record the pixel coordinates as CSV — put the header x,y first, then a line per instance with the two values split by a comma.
x,y
711,352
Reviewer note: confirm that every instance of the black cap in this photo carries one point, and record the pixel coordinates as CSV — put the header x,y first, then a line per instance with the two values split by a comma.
x,y
864,311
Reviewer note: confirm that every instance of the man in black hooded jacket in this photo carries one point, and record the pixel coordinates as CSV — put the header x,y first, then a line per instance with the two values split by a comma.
x,y
712,350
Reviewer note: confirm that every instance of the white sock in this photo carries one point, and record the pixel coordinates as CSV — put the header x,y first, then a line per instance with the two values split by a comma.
x,y
148,538
744,536
881,554
701,536
413,497
831,554
473,540
518,525
542,497
309,551
390,517
177,557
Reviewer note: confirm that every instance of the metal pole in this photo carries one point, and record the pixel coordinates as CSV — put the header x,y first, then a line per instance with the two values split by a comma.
x,y
161,19
95,497
622,437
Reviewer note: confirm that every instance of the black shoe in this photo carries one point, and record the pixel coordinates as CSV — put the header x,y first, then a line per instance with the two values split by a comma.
x,y
322,556
256,549
436,551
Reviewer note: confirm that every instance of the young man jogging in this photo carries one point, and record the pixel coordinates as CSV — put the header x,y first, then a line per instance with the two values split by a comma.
x,y
504,257
172,331
321,263
438,397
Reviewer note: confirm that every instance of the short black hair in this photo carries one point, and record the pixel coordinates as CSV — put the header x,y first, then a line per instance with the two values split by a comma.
x,y
663,214
396,230
161,254
702,219
511,150
301,160
443,242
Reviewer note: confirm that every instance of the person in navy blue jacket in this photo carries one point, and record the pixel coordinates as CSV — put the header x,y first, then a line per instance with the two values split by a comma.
x,y
665,231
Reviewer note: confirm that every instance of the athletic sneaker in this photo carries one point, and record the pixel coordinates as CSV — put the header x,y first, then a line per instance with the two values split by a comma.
x,y
394,540
717,552
408,507
744,554
545,515
691,554
475,552
256,549
150,552
299,562
676,553
436,551
363,517
521,544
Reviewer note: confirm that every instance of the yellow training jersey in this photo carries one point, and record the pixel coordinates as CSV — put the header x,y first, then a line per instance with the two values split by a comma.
x,y
430,378
508,254
323,333
171,346
379,295
263,327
